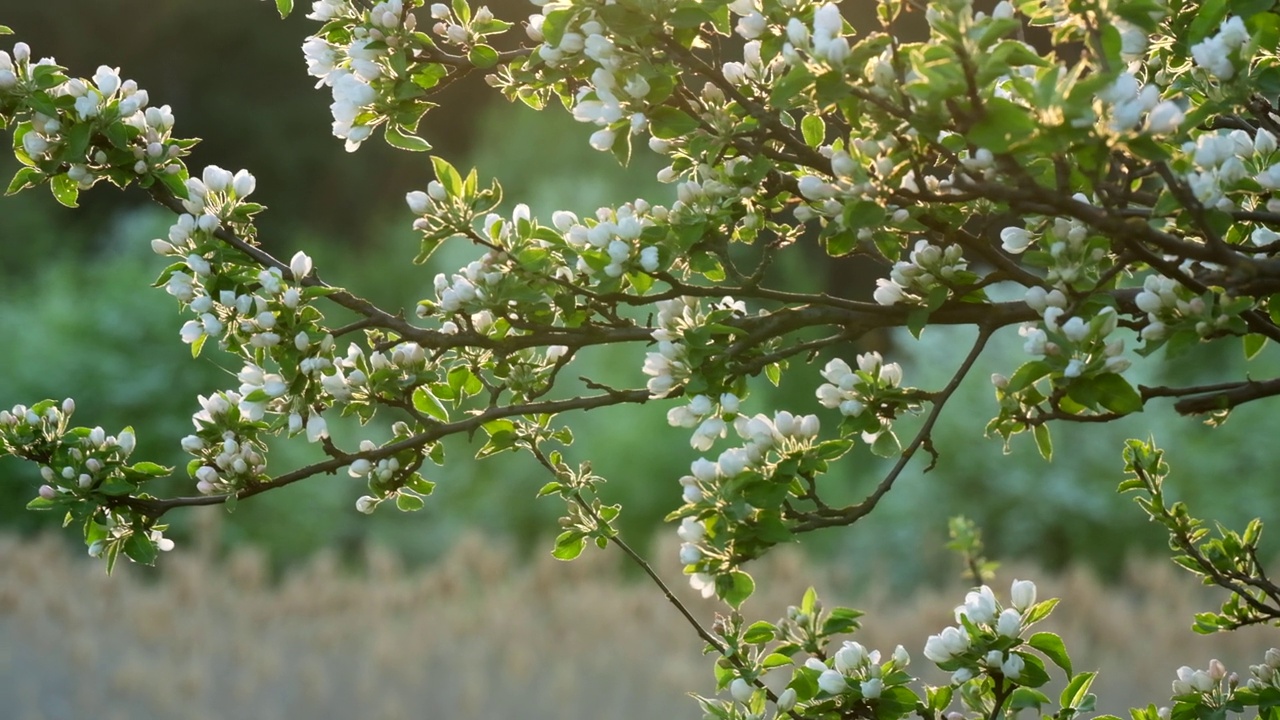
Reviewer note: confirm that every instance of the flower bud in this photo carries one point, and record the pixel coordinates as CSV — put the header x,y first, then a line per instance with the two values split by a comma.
x,y
300,266
741,690
787,700
832,682
418,202
1023,594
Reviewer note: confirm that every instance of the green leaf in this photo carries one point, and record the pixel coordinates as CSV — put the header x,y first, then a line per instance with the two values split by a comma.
x,y
1044,441
483,56
774,660
759,632
569,545
1024,698
447,175
151,469
425,402
886,445
1003,125
735,588
40,503
1253,344
813,129
668,122
1026,375
809,601
284,7
406,502
1074,693
917,318
1051,646
549,488
1116,394
25,177
773,371
420,485
396,138
140,548
65,190
4,30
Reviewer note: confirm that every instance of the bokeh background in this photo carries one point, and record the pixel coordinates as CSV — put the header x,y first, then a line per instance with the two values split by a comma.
x,y
297,606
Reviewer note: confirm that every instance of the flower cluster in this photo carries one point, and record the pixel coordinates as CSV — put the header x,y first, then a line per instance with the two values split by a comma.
x,y
981,640
1070,253
231,458
105,103
1222,160
1081,342
611,242
1203,682
615,97
1266,674
928,266
1219,54
704,414
857,671
1170,305
785,435
83,461
1129,103
854,392
667,367
352,60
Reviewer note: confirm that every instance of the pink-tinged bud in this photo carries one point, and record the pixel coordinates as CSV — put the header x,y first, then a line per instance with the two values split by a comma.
x,y
47,492
68,406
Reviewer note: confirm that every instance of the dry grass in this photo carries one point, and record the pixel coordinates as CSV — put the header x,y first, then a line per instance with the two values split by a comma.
x,y
475,637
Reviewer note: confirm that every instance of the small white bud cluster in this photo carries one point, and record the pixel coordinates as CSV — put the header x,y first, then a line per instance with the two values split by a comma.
x,y
1168,304
995,624
912,280
1266,674
230,465
1219,54
86,461
1223,159
852,392
856,670
350,62
152,151
1065,239
1129,103
613,232
708,418
785,433
1083,341
752,70
825,45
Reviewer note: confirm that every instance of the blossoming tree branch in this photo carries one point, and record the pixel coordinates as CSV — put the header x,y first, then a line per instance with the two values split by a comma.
x,y
1109,196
